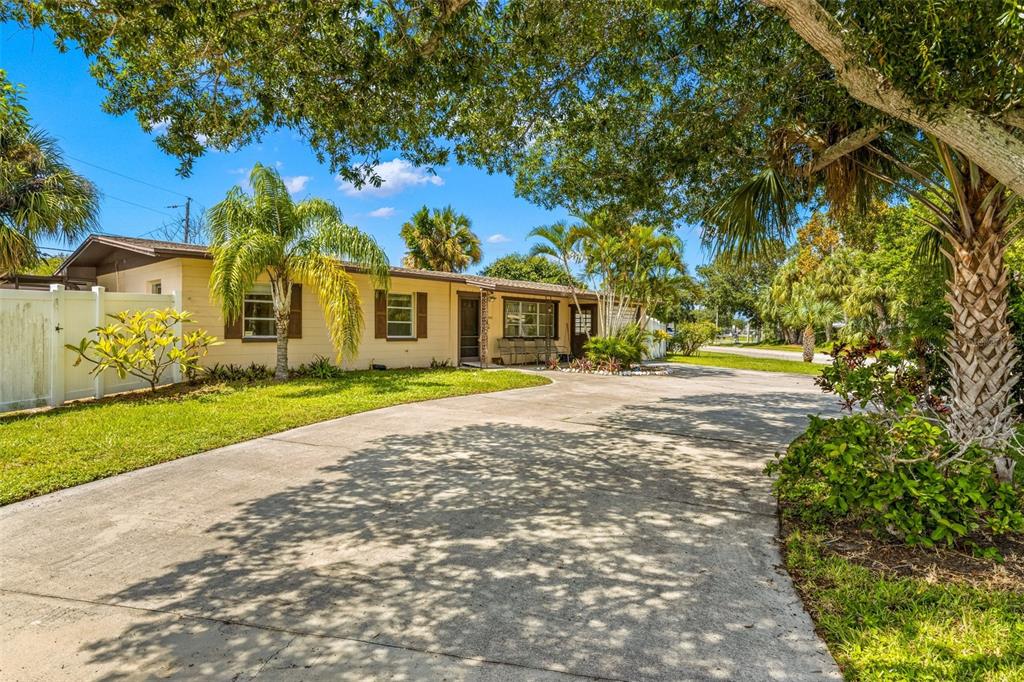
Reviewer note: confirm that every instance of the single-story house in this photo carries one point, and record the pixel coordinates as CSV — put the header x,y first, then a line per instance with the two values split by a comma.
x,y
424,316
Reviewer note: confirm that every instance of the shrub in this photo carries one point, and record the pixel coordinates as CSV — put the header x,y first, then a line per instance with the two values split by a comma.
x,y
892,476
627,347
891,466
144,345
690,336
318,368
229,373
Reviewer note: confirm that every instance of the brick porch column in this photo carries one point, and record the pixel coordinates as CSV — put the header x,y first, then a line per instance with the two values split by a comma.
x,y
485,324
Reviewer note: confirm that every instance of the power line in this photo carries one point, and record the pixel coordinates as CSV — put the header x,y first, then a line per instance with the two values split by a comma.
x,y
126,177
132,203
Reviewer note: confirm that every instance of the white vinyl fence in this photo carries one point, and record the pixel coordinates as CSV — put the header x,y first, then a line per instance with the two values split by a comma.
x,y
656,349
35,367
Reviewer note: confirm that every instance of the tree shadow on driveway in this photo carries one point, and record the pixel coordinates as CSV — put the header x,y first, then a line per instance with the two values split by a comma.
x,y
605,553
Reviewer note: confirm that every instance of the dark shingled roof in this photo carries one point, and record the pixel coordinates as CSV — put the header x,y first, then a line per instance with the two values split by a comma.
x,y
164,249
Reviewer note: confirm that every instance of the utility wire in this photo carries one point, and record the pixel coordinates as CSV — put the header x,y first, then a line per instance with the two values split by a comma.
x,y
126,177
132,203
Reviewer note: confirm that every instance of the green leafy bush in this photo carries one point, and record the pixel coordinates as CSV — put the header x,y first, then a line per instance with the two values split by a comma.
x,y
892,476
319,367
891,466
627,347
690,336
231,373
144,344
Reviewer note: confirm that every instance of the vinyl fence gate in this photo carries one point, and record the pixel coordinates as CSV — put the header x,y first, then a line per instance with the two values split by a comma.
x,y
35,367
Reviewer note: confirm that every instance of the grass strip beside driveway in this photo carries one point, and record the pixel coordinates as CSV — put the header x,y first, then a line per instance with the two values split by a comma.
x,y
882,627
48,451
736,361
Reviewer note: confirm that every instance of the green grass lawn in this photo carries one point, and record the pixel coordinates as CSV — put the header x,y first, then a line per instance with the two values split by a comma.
x,y
48,451
734,361
883,628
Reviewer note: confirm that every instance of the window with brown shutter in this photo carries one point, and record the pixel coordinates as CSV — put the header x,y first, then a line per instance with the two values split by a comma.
x,y
380,314
421,315
233,329
295,317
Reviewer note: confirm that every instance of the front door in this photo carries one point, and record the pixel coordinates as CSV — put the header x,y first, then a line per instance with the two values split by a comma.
x,y
584,325
469,329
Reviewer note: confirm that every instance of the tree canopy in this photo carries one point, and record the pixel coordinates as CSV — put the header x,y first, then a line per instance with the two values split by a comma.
x,y
529,269
646,95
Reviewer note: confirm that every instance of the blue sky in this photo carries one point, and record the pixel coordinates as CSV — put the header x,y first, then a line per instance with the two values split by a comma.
x,y
64,100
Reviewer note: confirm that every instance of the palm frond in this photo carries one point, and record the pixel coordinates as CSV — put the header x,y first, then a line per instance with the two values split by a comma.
x,y
934,251
339,298
238,263
753,219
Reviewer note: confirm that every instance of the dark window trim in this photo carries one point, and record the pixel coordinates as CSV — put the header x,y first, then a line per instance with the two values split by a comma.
x,y
259,339
554,322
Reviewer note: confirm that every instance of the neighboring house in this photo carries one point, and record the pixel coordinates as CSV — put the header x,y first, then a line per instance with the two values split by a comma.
x,y
425,316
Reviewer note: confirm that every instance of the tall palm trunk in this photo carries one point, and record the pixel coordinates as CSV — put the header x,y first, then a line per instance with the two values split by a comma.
x,y
808,342
981,353
281,290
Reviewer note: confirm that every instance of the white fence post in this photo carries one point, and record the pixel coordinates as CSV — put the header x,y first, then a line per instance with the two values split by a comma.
x,y
176,368
99,385
56,397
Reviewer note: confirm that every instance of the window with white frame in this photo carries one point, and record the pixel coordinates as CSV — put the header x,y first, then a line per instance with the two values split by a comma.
x,y
529,319
258,313
400,316
155,287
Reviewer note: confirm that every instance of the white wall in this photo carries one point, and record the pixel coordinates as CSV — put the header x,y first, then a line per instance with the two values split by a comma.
x,y
35,368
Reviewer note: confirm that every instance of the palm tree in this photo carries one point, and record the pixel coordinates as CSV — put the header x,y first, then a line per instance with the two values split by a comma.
x,y
806,311
40,196
440,240
560,242
972,220
266,232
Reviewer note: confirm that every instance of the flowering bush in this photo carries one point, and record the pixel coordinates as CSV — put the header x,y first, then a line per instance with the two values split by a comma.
x,y
144,345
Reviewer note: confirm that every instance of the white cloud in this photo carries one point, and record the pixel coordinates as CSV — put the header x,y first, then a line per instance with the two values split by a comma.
x,y
295,183
278,164
498,238
397,174
242,170
161,125
382,212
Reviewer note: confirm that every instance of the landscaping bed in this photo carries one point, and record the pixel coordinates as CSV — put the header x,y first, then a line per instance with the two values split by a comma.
x,y
47,451
892,612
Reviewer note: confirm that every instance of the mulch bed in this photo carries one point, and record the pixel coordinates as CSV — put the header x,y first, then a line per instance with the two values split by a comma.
x,y
935,565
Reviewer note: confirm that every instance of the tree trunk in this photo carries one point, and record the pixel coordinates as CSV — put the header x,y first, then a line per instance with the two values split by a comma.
x,y
809,343
981,353
980,138
281,368
883,321
281,291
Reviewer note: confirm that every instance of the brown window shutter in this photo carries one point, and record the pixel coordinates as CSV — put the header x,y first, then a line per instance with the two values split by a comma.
x,y
380,314
421,315
233,330
295,317
554,318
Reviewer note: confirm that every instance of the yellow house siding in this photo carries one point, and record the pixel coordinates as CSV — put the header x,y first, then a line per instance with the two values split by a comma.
x,y
497,319
191,277
315,338
137,279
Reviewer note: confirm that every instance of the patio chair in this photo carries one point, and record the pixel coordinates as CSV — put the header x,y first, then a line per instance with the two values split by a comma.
x,y
505,352
518,351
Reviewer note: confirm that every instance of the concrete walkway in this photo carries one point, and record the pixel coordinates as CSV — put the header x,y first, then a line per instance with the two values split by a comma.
x,y
819,358
614,528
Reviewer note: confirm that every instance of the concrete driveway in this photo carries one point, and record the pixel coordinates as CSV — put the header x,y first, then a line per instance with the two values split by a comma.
x,y
611,528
